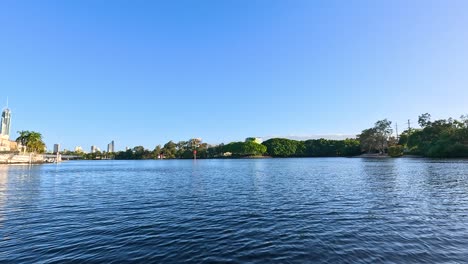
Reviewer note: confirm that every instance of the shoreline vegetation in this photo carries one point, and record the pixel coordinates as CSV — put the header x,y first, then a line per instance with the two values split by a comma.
x,y
444,138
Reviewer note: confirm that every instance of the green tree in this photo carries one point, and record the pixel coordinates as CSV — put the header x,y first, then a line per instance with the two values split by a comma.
x,y
252,148
424,120
157,151
377,137
194,143
243,149
281,147
138,152
395,151
443,138
31,140
384,131
351,147
215,151
123,155
169,150
368,139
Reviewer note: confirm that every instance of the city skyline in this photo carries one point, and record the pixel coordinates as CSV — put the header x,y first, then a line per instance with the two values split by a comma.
x,y
84,73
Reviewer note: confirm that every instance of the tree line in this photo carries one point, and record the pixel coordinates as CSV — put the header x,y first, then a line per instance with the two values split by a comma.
x,y
443,138
275,147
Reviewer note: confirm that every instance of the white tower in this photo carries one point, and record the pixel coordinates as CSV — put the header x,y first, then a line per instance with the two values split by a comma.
x,y
5,123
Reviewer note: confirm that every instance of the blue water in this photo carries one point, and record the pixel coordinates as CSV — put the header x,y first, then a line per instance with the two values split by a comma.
x,y
254,210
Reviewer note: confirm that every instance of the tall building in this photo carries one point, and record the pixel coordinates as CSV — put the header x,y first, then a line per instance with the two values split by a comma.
x,y
93,149
110,147
6,120
56,148
5,143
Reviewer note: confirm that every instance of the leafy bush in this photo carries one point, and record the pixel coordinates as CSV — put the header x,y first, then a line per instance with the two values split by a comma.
x,y
395,151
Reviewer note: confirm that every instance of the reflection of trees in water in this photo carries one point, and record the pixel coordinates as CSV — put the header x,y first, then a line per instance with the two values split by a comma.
x,y
380,185
380,174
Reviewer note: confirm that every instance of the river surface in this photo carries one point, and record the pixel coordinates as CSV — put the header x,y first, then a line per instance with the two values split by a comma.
x,y
322,210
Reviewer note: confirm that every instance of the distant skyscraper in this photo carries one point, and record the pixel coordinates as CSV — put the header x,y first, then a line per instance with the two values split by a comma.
x,y
6,120
5,144
110,147
93,149
56,148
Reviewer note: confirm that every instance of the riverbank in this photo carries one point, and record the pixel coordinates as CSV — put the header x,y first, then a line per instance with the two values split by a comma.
x,y
373,155
16,158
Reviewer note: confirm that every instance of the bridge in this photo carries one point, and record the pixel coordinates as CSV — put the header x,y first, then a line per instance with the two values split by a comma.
x,y
60,157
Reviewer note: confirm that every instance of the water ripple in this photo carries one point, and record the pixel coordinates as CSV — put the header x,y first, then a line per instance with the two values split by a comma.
x,y
236,211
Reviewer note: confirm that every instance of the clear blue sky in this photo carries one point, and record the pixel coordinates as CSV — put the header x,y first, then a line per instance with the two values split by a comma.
x,y
144,72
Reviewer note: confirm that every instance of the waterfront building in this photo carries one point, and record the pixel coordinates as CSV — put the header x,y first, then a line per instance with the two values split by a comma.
x,y
5,143
8,145
94,149
111,147
56,148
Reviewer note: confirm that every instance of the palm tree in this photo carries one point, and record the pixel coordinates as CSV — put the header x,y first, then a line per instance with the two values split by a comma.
x,y
31,140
